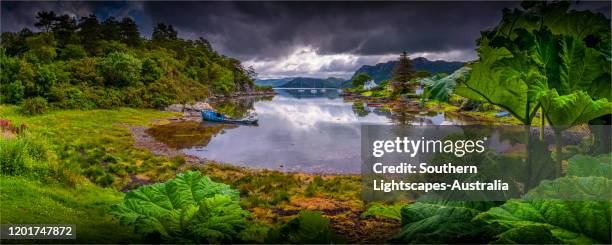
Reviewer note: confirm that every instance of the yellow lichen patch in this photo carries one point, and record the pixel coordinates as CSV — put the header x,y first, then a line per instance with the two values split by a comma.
x,y
313,203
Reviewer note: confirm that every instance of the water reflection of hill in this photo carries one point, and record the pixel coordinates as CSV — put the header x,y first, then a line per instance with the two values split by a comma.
x,y
238,107
309,93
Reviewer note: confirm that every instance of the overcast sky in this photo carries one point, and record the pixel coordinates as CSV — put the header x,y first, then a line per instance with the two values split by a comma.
x,y
318,39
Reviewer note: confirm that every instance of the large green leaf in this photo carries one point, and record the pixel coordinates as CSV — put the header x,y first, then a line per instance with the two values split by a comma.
x,y
555,206
189,208
579,24
556,16
436,223
579,66
442,88
584,166
502,79
543,47
568,110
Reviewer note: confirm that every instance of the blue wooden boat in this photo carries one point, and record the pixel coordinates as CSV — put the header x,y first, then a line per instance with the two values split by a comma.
x,y
502,114
214,116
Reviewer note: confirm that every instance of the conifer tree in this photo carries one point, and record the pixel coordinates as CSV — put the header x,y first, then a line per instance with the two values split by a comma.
x,y
402,73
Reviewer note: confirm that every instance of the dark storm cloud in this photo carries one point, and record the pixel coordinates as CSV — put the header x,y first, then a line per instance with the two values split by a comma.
x,y
276,31
275,28
269,29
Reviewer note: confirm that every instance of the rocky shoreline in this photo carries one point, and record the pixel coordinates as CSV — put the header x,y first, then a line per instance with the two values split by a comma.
x,y
191,111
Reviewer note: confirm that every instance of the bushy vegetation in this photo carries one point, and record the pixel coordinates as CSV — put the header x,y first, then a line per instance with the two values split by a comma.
x,y
89,63
360,79
308,228
22,155
33,106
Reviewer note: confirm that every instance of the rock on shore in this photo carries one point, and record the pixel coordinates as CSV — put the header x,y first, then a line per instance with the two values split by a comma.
x,y
189,110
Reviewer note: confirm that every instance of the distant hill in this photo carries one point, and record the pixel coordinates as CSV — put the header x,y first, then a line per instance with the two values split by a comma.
x,y
273,82
382,71
310,82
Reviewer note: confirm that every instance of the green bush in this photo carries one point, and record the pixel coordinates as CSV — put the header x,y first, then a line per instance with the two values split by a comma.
x,y
308,228
14,92
267,88
34,106
85,71
106,97
105,47
222,79
41,48
20,155
162,93
46,78
105,180
150,71
72,51
121,69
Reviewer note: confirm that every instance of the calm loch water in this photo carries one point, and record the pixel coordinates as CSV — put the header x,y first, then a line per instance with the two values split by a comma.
x,y
298,131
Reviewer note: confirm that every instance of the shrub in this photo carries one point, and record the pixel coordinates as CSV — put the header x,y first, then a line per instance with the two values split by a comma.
x,y
14,92
105,47
162,93
105,97
308,228
222,79
72,51
34,106
150,71
266,88
105,180
20,155
85,71
41,48
46,78
121,69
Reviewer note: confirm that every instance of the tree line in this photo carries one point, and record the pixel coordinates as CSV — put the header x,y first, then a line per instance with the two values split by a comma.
x,y
90,63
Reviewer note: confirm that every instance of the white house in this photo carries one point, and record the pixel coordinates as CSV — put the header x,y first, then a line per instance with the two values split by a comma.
x,y
369,85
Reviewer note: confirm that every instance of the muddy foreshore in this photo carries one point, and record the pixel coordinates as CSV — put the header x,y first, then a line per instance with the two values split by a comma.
x,y
343,207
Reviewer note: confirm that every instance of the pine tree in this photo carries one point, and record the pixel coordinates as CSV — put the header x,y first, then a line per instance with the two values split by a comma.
x,y
129,32
90,32
402,73
45,20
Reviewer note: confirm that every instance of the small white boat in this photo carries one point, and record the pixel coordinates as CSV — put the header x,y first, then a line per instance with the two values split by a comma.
x,y
313,91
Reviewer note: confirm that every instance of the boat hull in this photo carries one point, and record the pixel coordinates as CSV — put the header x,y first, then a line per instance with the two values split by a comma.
x,y
212,116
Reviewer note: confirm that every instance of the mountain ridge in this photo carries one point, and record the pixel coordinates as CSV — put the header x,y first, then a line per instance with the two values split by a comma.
x,y
383,71
379,72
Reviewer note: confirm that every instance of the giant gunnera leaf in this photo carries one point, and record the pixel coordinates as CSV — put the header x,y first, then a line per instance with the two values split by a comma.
x,y
584,166
190,208
441,88
572,209
435,223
